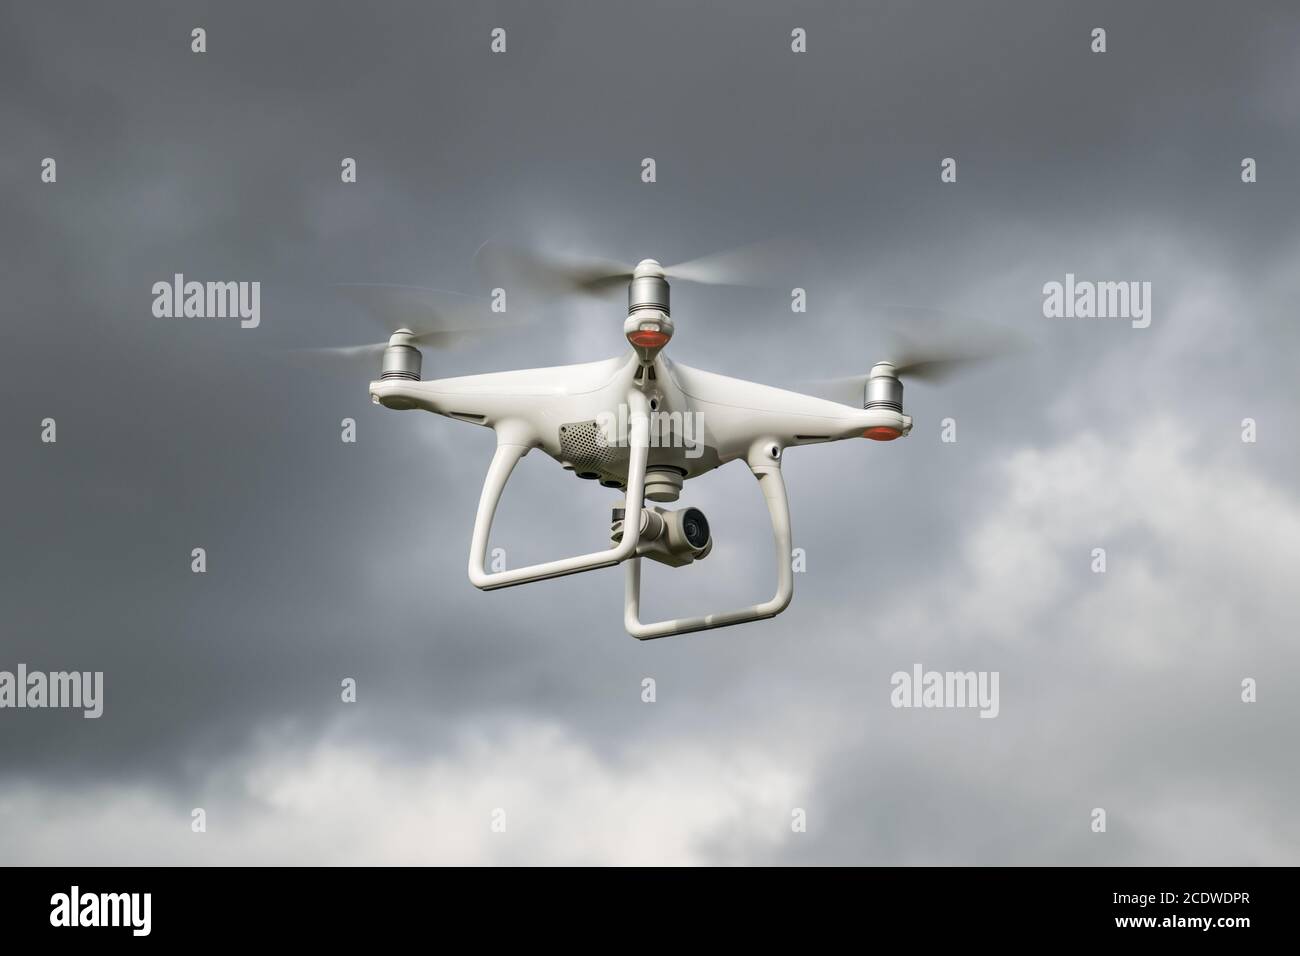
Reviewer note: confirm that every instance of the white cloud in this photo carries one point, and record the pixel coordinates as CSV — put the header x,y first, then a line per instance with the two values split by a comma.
x,y
1195,543
338,803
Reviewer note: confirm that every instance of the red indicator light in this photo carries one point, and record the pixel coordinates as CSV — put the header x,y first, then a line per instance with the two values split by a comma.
x,y
881,433
647,338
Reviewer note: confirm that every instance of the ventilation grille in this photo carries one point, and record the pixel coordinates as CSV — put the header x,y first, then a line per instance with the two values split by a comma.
x,y
584,449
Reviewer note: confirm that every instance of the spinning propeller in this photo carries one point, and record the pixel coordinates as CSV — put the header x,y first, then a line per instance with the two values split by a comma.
x,y
531,270
932,349
430,318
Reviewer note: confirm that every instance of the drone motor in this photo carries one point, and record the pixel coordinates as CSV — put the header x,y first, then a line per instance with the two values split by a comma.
x,y
883,390
649,323
402,360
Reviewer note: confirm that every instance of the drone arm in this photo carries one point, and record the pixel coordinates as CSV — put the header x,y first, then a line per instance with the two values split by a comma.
x,y
511,448
767,469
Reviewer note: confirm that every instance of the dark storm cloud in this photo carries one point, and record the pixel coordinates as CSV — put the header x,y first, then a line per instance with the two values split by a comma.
x,y
328,560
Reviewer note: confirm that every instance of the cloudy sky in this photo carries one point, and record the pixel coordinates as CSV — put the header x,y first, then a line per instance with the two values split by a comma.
x,y
328,560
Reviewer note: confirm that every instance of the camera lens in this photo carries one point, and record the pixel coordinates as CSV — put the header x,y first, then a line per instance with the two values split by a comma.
x,y
695,527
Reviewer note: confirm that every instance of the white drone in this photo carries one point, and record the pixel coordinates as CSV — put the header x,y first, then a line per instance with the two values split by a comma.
x,y
619,422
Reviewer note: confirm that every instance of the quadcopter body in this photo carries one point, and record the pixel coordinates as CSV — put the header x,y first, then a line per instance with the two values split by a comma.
x,y
645,425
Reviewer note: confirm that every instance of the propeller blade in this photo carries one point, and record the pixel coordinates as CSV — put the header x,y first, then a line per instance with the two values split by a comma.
x,y
926,351
935,355
761,265
436,318
437,341
517,267
523,269
424,311
344,351
848,390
